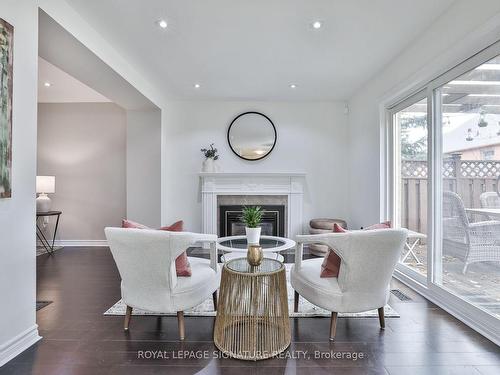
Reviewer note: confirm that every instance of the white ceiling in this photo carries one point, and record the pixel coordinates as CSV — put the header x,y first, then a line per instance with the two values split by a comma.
x,y
241,49
63,87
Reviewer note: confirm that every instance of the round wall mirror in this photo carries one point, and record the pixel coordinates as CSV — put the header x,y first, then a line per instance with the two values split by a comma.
x,y
251,135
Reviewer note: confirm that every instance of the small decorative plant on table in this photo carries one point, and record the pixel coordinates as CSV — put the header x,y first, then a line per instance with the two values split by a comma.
x,y
252,217
211,156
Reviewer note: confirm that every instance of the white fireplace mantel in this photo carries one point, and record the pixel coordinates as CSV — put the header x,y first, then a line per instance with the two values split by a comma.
x,y
291,185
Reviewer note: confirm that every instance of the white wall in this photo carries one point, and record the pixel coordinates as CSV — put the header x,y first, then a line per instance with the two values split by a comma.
x,y
17,214
311,139
84,146
144,167
447,42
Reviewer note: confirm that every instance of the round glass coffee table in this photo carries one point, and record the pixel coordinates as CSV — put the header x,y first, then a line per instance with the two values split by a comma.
x,y
236,246
252,320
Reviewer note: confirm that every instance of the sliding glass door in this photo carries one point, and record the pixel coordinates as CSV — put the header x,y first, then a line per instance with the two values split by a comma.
x,y
443,185
469,262
410,165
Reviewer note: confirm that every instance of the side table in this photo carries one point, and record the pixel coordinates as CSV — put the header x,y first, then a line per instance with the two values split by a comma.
x,y
252,320
49,247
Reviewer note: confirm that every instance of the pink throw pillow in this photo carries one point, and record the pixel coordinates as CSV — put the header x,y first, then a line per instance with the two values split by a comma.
x,y
182,266
331,265
338,229
383,225
175,227
132,224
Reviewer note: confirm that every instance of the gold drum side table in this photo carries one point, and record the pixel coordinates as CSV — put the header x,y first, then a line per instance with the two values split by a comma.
x,y
252,312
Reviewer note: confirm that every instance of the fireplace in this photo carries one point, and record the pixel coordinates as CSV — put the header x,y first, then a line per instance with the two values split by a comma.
x,y
273,220
252,189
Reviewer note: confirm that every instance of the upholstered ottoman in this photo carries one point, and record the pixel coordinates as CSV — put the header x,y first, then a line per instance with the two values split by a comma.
x,y
319,226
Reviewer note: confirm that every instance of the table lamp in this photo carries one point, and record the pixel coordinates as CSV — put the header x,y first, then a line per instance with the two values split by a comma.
x,y
44,185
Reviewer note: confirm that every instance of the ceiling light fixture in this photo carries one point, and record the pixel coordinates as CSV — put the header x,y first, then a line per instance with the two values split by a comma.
x,y
163,24
197,85
47,84
316,25
293,86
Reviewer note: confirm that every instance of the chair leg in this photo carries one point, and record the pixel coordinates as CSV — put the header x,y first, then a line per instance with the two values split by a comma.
x,y
296,302
180,321
128,315
381,317
333,326
214,298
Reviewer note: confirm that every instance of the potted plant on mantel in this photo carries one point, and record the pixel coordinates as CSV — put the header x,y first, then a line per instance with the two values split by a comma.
x,y
252,217
211,156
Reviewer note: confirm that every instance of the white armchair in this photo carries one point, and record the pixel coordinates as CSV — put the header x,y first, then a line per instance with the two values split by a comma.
x,y
146,262
368,261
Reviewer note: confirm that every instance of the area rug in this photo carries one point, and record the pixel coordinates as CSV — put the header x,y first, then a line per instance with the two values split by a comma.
x,y
306,309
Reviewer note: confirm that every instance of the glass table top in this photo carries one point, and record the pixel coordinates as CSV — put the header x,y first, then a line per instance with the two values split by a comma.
x,y
241,265
241,243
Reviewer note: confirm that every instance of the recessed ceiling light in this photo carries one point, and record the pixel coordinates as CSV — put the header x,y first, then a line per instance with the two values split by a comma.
x,y
197,85
293,86
163,24
47,84
316,25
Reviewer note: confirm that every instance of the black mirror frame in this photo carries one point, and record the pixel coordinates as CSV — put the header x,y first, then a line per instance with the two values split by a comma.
x,y
255,113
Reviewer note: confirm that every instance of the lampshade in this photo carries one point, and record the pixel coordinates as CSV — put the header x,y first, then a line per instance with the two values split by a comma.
x,y
45,184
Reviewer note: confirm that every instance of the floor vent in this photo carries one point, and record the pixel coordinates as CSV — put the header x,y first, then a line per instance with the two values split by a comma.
x,y
400,295
42,304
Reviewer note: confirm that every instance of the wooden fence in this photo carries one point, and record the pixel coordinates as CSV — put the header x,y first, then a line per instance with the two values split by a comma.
x,y
468,178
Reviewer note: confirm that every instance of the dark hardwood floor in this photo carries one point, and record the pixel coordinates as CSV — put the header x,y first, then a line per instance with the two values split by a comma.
x,y
78,339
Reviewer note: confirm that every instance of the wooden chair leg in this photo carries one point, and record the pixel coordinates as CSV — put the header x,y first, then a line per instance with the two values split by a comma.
x,y
333,326
296,302
381,317
214,298
180,321
128,315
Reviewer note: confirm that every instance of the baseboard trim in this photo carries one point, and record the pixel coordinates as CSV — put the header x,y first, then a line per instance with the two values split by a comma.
x,y
18,344
475,318
86,243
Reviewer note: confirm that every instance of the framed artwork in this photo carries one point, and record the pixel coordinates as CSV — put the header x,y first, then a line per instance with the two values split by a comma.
x,y
6,57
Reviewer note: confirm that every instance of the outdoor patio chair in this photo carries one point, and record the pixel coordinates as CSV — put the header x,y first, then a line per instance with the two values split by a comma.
x,y
471,241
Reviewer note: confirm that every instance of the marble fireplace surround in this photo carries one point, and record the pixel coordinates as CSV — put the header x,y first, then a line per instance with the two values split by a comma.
x,y
254,188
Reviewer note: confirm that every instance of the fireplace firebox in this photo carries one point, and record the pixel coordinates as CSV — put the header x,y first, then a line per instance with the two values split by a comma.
x,y
273,220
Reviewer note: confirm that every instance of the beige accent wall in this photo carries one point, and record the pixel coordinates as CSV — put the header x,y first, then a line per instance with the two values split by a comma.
x,y
84,146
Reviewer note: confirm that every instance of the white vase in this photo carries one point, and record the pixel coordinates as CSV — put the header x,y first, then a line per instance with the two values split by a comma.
x,y
253,235
208,166
217,168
